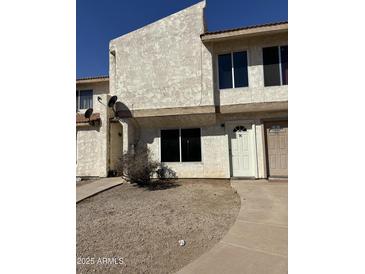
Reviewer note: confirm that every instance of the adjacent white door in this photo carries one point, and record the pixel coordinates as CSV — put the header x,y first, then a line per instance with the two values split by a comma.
x,y
242,148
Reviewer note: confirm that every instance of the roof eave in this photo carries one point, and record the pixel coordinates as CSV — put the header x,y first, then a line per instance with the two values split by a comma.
x,y
243,33
92,80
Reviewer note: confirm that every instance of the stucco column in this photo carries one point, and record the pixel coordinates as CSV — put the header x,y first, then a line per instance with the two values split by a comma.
x,y
260,149
130,134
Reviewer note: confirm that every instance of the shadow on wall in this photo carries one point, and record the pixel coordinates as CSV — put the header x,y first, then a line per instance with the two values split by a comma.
x,y
92,126
122,110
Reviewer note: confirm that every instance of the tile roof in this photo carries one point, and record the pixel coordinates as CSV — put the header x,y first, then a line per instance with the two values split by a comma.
x,y
247,27
101,77
80,118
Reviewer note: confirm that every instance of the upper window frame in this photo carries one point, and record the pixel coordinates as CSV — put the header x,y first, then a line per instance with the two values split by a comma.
x,y
231,52
78,99
280,65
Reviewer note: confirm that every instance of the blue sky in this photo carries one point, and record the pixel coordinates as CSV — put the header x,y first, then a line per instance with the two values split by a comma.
x,y
97,22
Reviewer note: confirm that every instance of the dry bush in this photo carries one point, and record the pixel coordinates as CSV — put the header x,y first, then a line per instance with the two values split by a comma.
x,y
140,168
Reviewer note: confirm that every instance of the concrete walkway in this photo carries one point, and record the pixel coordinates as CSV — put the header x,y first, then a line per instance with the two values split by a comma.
x,y
257,243
84,191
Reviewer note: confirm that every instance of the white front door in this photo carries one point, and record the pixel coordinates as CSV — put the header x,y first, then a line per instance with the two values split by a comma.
x,y
242,159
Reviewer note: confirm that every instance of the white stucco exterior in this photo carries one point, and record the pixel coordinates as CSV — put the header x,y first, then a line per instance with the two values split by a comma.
x,y
162,64
92,141
165,75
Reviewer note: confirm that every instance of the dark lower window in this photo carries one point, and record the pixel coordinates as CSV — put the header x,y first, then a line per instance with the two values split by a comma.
x,y
170,148
275,66
190,145
188,140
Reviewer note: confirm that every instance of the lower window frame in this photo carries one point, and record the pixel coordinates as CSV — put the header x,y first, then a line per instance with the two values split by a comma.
x,y
180,151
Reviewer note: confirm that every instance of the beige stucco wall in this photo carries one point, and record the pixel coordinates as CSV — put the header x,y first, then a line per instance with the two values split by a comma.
x,y
255,92
92,142
215,145
164,64
215,162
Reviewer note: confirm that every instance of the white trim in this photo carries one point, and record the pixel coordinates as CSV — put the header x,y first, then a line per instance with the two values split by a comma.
x,y
255,150
281,76
159,145
180,153
232,69
281,71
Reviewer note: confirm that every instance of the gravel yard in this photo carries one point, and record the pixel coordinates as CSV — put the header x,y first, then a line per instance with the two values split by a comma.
x,y
143,226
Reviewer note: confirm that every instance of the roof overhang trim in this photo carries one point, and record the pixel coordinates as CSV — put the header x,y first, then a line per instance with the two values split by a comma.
x,y
244,32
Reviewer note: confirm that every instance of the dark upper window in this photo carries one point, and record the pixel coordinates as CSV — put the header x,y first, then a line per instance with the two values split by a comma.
x,y
275,66
84,99
225,71
181,145
284,64
232,70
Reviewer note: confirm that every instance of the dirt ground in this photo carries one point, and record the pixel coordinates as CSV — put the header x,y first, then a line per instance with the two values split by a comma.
x,y
129,229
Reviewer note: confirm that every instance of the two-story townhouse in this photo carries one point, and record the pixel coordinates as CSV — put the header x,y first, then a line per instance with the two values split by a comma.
x,y
99,138
250,68
92,134
207,104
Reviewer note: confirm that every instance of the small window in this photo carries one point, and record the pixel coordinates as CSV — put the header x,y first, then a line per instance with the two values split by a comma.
x,y
181,145
190,145
233,71
170,150
86,99
275,66
239,128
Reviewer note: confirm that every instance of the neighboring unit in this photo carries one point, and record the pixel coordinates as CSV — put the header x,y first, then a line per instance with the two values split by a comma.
x,y
207,104
98,139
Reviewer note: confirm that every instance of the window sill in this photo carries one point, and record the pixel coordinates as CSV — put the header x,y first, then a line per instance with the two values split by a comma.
x,y
275,86
182,162
82,110
234,89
